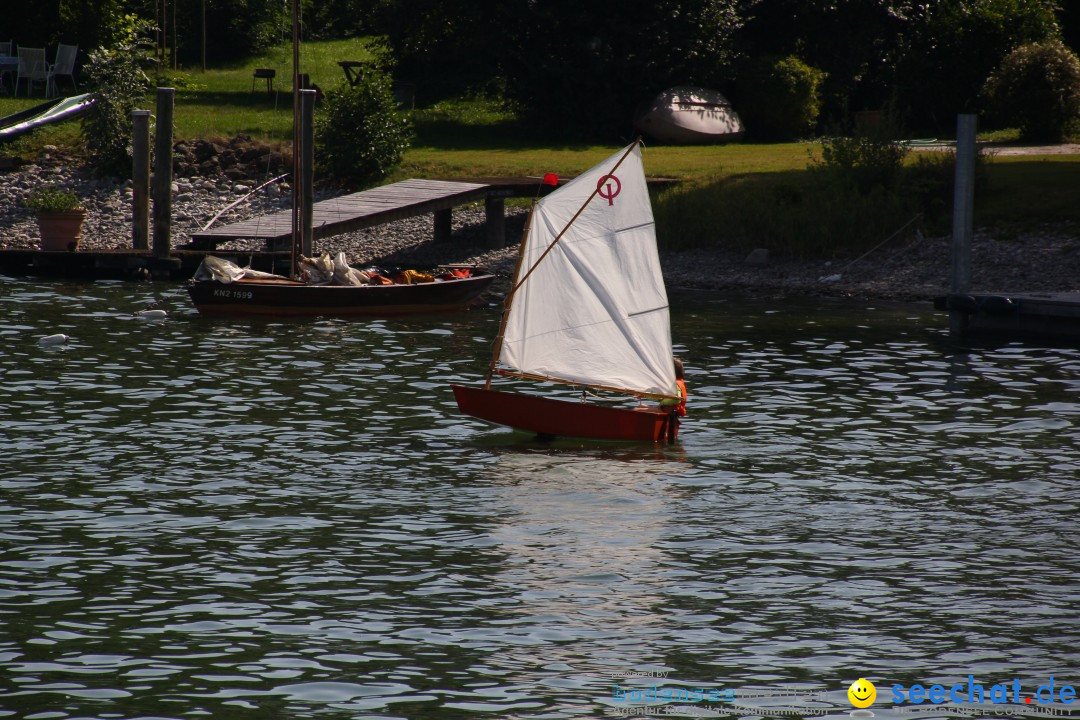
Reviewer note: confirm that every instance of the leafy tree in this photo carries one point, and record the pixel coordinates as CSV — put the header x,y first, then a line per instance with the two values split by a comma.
x,y
97,23
86,23
119,87
332,19
850,40
928,57
576,68
234,28
359,133
780,98
581,69
1037,88
447,47
950,48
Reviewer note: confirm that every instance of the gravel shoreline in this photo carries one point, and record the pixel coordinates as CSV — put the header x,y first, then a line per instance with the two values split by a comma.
x,y
1043,260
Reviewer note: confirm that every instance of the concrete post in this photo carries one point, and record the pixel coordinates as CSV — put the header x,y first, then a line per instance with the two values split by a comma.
x,y
963,214
163,174
140,179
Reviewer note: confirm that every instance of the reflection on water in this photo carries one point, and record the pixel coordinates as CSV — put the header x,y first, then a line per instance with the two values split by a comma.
x,y
256,517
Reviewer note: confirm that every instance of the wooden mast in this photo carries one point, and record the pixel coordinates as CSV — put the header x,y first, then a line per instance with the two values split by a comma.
x,y
296,196
509,295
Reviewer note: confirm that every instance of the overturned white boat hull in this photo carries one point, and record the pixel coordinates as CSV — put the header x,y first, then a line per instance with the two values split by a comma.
x,y
686,115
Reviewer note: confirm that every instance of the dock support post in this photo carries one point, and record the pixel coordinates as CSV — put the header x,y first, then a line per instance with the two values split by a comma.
x,y
140,179
442,225
163,174
307,171
963,215
495,215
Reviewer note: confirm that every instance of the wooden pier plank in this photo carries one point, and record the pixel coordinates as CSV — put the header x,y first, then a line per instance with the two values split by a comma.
x,y
1015,315
357,211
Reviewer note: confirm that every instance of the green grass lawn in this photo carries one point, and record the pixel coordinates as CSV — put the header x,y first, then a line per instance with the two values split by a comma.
x,y
221,103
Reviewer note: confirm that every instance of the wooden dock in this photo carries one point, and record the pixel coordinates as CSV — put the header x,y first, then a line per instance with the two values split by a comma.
x,y
1015,315
129,264
356,211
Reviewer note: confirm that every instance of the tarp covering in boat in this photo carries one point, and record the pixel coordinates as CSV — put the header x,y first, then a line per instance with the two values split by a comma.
x,y
595,310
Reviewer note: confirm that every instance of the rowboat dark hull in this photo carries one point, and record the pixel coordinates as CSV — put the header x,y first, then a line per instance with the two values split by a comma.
x,y
548,416
290,298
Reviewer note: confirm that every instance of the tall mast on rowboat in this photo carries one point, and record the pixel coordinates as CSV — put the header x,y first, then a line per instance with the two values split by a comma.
x,y
296,195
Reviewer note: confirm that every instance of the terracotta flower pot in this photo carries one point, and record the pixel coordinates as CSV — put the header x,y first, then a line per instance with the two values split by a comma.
x,y
61,230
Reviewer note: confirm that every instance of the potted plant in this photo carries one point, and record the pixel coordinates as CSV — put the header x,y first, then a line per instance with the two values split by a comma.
x,y
59,217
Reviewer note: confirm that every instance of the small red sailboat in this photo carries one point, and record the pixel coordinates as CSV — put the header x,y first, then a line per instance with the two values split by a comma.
x,y
587,308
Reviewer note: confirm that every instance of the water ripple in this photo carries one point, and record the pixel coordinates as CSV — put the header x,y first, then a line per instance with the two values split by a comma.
x,y
292,519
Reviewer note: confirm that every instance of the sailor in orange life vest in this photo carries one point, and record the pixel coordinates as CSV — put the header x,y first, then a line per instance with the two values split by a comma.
x,y
680,405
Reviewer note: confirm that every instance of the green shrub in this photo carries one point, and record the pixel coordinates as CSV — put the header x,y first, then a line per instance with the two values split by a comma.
x,y
949,47
51,199
1037,88
359,133
780,98
120,86
868,158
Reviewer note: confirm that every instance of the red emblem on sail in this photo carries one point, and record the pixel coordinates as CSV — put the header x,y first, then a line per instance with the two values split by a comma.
x,y
608,187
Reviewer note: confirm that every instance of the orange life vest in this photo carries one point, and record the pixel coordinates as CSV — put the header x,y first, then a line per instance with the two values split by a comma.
x,y
680,409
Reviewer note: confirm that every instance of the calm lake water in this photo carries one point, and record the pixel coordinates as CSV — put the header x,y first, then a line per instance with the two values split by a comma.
x,y
250,519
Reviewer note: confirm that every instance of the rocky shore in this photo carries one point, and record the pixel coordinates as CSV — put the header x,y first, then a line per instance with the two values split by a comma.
x,y
1044,260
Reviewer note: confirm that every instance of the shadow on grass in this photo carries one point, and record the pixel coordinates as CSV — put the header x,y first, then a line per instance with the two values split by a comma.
x,y
501,135
1031,192
792,213
237,99
808,213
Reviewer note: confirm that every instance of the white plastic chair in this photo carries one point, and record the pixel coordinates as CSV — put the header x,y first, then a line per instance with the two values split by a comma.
x,y
32,67
5,69
64,66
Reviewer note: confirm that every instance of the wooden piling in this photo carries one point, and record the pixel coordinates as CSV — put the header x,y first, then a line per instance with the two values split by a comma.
x,y
140,179
495,221
443,225
163,174
963,214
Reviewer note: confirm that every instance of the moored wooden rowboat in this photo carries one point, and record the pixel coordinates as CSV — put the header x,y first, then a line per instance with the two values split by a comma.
x,y
284,297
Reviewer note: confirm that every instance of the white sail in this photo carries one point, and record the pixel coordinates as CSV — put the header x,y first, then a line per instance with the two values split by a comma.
x,y
594,310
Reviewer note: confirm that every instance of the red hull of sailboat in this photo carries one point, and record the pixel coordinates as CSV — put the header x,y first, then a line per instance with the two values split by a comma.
x,y
547,416
290,298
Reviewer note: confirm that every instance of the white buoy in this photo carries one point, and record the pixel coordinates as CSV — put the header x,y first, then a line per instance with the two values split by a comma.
x,y
57,339
151,314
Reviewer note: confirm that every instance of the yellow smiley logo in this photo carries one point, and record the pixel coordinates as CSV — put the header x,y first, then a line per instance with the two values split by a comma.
x,y
862,693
